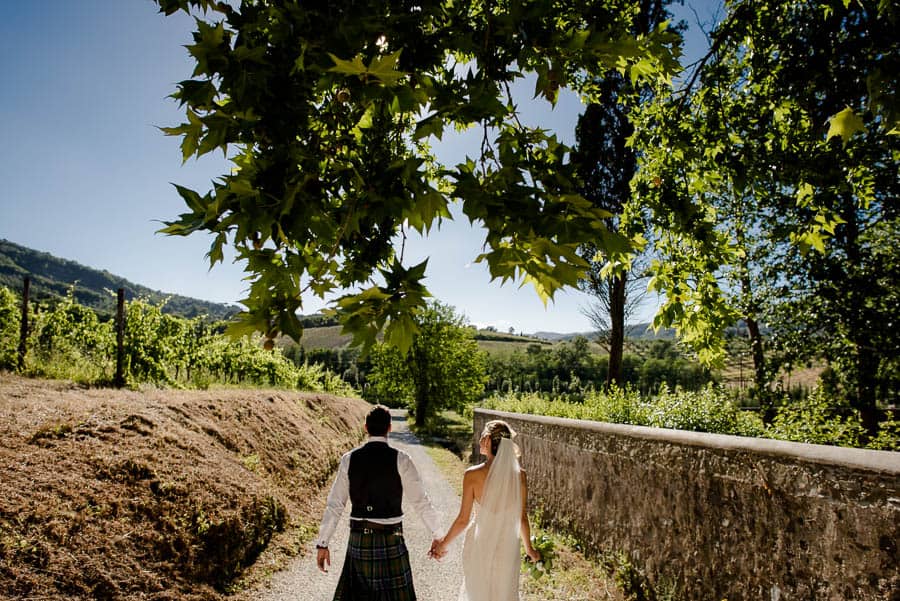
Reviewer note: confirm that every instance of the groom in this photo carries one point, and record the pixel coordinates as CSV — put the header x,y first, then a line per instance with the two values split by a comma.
x,y
375,477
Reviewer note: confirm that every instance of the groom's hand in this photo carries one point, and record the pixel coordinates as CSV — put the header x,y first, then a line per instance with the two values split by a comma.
x,y
323,558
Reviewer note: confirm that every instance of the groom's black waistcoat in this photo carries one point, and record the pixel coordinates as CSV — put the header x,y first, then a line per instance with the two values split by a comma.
x,y
375,487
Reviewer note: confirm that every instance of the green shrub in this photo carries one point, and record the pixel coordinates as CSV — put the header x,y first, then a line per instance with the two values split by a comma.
x,y
69,341
9,328
618,406
817,419
888,437
710,409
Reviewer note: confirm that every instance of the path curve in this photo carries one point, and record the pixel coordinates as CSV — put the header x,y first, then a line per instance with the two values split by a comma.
x,y
434,581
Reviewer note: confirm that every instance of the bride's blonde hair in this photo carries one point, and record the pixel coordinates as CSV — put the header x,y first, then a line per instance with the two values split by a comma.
x,y
497,429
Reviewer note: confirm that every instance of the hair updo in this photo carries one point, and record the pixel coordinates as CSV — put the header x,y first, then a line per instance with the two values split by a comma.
x,y
497,430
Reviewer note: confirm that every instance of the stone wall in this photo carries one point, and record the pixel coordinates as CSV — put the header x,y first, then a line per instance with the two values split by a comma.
x,y
720,517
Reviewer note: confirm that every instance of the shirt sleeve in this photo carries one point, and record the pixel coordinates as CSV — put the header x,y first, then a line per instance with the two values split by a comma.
x,y
415,492
337,499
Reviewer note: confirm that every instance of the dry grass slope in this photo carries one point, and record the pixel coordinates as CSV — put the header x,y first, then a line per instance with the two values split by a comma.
x,y
108,494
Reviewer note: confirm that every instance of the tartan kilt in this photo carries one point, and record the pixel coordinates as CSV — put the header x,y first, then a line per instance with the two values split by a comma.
x,y
376,568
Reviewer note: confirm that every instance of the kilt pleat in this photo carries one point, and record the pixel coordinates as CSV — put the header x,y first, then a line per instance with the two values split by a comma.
x,y
376,568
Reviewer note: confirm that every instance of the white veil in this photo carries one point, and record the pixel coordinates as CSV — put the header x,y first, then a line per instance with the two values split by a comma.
x,y
491,562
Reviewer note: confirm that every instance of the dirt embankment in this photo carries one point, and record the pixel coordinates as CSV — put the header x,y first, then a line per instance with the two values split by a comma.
x,y
109,494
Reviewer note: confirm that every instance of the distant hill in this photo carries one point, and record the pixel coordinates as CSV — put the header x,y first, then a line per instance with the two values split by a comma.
x,y
491,335
52,277
561,337
638,331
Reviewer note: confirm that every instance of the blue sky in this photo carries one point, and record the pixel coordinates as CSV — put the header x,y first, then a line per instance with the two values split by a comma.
x,y
87,175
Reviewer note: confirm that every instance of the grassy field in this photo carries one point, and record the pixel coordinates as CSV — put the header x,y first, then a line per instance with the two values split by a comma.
x,y
327,337
330,337
738,369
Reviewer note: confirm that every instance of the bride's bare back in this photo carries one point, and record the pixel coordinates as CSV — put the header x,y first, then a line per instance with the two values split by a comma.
x,y
491,560
475,477
474,482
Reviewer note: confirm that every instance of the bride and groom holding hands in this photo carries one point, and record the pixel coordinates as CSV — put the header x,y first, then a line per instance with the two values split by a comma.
x,y
375,477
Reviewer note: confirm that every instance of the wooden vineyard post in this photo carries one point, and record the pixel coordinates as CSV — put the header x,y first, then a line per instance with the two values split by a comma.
x,y
23,325
120,338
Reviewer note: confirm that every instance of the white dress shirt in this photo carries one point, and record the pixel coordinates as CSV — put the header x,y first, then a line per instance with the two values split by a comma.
x,y
413,491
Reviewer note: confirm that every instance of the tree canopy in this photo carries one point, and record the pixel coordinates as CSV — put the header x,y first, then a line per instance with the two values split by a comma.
x,y
784,139
443,369
326,110
771,184
605,164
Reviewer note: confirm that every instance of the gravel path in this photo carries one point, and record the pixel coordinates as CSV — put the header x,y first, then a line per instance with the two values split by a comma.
x,y
435,581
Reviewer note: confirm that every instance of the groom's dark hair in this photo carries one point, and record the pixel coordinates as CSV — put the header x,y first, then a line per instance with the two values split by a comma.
x,y
378,420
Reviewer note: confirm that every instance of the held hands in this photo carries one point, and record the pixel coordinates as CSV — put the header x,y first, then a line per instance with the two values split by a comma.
x,y
438,549
323,558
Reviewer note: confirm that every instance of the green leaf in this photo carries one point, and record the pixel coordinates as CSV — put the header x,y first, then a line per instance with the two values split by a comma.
x,y
382,68
245,324
643,68
427,208
578,38
351,67
417,272
808,240
544,292
196,93
432,125
321,287
615,243
844,124
400,331
193,200
290,325
215,250
385,68
805,194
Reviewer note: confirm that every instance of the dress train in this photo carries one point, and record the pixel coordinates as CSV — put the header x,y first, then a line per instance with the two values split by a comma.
x,y
491,562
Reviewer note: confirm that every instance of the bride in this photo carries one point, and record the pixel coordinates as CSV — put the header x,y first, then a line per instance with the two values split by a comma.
x,y
491,551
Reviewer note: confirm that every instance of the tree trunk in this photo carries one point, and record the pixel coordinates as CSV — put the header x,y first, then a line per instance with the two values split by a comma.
x,y
616,330
855,317
756,350
751,311
864,401
420,385
119,379
23,325
760,378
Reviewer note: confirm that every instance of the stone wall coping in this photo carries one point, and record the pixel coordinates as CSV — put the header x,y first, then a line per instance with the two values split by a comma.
x,y
860,459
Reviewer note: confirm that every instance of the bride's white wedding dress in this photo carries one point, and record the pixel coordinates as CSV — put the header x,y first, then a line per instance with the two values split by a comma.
x,y
491,562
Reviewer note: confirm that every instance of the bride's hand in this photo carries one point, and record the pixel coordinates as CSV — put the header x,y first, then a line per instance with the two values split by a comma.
x,y
533,554
437,550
